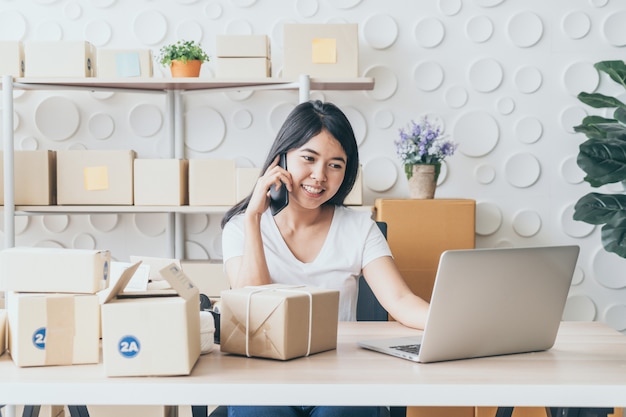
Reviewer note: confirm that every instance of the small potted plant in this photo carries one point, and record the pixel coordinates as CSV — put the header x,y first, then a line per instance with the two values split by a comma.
x,y
184,58
422,148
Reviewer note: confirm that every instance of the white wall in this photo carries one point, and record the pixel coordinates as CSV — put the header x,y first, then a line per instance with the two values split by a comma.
x,y
502,75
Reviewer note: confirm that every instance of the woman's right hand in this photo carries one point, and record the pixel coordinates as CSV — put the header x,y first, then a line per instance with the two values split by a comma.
x,y
274,175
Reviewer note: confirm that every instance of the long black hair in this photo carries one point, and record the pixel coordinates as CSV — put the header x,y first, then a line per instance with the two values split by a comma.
x,y
305,121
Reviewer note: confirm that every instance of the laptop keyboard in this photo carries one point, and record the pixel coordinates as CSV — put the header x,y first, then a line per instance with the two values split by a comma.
x,y
408,348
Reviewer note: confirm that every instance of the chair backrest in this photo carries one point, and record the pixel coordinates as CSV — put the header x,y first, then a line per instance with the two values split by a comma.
x,y
368,308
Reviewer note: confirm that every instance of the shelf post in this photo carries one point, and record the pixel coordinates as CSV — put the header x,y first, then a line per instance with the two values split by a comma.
x,y
9,184
305,88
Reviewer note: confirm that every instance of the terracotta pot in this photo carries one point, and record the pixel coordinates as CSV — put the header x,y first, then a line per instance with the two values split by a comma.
x,y
423,181
187,69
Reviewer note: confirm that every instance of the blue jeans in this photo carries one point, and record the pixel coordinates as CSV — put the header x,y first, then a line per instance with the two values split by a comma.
x,y
300,411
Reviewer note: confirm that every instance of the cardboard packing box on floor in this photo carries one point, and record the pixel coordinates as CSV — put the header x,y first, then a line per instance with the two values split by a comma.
x,y
138,329
212,182
59,59
123,63
95,177
34,175
3,330
12,58
63,270
160,182
53,329
321,50
285,321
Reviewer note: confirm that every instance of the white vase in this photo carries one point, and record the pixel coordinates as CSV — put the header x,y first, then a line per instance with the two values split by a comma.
x,y
423,181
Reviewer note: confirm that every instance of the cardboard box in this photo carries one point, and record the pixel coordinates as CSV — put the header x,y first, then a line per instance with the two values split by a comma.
x,y
12,58
355,198
243,68
124,63
212,182
246,180
59,59
321,50
138,329
160,182
242,46
208,276
131,410
53,329
95,177
3,331
451,225
34,176
285,321
51,270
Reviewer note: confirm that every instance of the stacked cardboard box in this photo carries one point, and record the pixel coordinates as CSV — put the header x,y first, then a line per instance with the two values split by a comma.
x,y
34,177
243,56
59,59
124,63
52,306
12,58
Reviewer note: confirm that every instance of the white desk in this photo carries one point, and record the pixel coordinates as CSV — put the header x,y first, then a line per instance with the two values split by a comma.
x,y
586,368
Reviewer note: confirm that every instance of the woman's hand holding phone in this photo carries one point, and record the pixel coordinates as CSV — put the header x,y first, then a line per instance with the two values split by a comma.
x,y
279,196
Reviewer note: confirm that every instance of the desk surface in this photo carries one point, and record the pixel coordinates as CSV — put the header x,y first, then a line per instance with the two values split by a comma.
x,y
585,368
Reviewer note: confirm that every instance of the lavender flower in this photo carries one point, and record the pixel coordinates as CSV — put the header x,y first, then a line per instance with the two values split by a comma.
x,y
422,143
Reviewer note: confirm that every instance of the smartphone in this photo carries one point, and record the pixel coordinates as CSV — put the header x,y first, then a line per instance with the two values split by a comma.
x,y
279,198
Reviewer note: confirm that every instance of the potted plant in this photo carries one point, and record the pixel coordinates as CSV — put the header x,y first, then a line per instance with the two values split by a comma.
x,y
603,158
184,58
422,148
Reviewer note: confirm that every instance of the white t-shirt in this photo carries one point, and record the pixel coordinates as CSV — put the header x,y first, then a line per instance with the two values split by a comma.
x,y
353,241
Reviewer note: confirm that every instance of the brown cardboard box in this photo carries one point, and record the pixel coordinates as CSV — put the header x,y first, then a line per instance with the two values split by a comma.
x,y
124,63
321,50
212,182
242,46
34,176
246,180
243,68
59,59
12,58
420,230
285,321
208,276
53,329
3,331
65,270
95,177
355,198
138,328
160,182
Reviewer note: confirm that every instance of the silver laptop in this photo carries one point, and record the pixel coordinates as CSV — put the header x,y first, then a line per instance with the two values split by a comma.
x,y
488,302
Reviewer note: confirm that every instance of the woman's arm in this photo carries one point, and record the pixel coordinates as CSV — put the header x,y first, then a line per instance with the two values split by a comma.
x,y
251,268
394,294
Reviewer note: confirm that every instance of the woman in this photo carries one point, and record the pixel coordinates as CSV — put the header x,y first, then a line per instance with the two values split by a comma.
x,y
314,240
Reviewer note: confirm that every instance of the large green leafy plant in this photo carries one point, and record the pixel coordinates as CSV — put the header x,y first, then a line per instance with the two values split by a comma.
x,y
603,158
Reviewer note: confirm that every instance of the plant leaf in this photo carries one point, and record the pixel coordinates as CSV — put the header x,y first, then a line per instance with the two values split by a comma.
x,y
613,235
604,161
599,101
620,115
596,208
614,69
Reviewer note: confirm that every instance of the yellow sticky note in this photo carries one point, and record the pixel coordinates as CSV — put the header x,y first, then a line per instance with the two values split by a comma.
x,y
324,51
96,178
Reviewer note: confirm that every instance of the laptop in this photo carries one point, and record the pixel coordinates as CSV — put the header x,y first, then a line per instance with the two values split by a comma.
x,y
488,302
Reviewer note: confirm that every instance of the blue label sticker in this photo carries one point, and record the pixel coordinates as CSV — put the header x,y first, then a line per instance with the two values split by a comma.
x,y
39,338
129,346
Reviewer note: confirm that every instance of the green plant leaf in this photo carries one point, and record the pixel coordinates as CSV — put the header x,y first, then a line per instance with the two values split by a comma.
x,y
604,161
614,69
597,208
620,115
613,235
592,131
599,101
